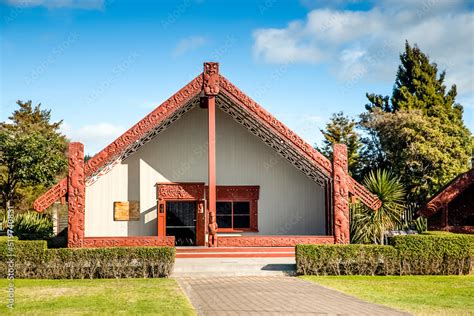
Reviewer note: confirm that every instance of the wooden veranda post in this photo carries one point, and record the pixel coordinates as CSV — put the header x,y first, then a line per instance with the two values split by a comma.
x,y
211,89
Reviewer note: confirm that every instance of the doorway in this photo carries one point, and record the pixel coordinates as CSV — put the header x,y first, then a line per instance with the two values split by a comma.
x,y
181,222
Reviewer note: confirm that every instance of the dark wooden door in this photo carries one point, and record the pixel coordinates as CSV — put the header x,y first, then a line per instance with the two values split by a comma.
x,y
181,222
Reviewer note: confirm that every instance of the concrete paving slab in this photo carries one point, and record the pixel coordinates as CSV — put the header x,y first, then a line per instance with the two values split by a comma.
x,y
273,296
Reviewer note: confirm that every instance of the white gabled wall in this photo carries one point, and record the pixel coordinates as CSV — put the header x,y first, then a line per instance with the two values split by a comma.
x,y
290,203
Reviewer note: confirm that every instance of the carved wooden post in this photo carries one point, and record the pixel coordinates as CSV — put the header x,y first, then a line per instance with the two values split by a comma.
x,y
76,196
341,194
211,89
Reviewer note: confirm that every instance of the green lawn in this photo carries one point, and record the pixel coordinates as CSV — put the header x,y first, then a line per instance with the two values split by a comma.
x,y
421,295
96,297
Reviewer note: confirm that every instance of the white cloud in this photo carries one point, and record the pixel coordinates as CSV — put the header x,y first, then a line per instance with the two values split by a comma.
x,y
56,4
366,44
189,44
95,136
312,119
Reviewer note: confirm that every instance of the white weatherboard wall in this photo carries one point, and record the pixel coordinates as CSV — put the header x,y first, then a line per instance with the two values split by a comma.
x,y
289,204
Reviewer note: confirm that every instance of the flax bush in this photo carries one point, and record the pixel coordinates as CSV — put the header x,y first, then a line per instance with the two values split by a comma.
x,y
34,260
31,225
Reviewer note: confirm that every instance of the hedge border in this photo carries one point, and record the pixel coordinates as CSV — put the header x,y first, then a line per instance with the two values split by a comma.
x,y
34,260
425,254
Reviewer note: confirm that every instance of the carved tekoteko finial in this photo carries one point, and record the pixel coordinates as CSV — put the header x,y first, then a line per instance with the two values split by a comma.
x,y
211,78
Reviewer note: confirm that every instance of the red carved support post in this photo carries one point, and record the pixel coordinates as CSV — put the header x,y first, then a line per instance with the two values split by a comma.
x,y
341,194
76,196
211,89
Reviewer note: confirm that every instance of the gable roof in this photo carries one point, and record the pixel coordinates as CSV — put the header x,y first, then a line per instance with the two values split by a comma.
x,y
235,103
448,193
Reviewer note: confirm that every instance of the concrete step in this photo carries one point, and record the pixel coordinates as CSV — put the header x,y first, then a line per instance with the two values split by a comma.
x,y
213,267
235,252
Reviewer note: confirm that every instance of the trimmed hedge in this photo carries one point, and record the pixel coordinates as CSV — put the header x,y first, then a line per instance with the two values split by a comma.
x,y
34,260
346,259
412,254
434,254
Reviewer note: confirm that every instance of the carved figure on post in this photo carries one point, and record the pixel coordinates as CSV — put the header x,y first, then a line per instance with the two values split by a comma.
x,y
212,230
211,78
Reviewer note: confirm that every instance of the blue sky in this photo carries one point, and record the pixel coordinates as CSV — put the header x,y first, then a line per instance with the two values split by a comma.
x,y
101,65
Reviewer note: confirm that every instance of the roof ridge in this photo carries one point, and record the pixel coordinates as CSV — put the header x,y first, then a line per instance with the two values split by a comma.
x,y
277,125
144,125
449,191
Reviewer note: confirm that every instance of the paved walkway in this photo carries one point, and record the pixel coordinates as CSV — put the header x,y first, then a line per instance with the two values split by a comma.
x,y
272,296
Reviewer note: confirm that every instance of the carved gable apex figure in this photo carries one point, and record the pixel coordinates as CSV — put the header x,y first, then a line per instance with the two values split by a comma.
x,y
211,78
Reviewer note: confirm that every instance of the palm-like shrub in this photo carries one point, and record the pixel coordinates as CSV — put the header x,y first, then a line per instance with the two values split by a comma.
x,y
31,225
368,226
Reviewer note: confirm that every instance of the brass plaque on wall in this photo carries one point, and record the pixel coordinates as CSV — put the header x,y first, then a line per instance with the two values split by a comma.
x,y
127,211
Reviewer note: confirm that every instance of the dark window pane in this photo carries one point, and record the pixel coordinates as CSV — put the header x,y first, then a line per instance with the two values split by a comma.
x,y
242,208
241,221
224,208
224,221
180,213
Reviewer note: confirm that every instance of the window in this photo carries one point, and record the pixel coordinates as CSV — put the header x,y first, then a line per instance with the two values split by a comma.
x,y
233,215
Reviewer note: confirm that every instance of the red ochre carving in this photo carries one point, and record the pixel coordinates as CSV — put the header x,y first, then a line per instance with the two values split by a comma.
x,y
145,125
76,195
341,194
271,122
211,78
212,229
272,241
180,191
140,129
57,192
211,82
96,242
183,96
302,147
236,192
365,196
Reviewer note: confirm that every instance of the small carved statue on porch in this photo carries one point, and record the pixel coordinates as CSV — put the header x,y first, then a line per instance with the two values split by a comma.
x,y
212,230
200,208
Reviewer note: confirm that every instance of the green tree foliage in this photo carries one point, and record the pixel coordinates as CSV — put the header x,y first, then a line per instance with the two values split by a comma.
x,y
424,151
342,129
32,153
472,151
419,132
368,226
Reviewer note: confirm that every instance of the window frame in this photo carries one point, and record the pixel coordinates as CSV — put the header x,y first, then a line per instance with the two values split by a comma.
x,y
232,229
238,193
